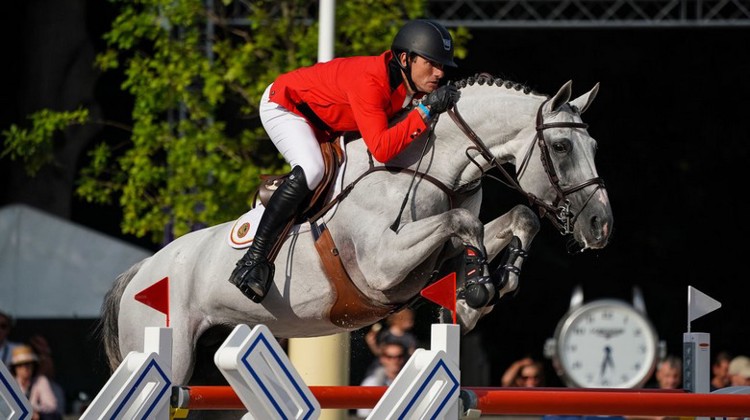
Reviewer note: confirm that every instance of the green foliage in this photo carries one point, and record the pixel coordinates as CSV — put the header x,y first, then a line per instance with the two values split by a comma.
x,y
35,145
196,148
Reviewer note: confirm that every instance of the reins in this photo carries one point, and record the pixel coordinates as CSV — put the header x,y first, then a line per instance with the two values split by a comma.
x,y
397,222
558,212
563,219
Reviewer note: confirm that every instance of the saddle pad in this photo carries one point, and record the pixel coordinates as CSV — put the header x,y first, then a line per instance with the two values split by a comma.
x,y
242,233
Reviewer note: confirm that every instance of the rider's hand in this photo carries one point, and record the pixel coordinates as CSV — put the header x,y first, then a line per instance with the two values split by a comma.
x,y
441,99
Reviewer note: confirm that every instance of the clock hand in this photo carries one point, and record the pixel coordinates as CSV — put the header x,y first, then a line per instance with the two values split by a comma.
x,y
607,360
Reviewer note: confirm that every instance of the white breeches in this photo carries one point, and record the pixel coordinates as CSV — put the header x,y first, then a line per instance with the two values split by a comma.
x,y
294,137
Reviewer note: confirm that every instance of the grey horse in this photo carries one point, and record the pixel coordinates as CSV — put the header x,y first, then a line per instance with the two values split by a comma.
x,y
495,122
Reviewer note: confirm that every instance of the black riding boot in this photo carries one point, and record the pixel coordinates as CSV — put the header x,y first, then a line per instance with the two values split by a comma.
x,y
254,273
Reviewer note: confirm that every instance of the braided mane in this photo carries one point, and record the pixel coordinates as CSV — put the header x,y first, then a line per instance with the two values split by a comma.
x,y
482,78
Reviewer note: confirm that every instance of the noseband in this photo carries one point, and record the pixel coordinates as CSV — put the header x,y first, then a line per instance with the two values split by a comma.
x,y
558,212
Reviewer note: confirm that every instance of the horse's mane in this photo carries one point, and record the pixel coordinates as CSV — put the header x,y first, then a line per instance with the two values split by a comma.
x,y
486,78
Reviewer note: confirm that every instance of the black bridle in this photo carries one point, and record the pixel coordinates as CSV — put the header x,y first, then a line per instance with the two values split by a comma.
x,y
558,212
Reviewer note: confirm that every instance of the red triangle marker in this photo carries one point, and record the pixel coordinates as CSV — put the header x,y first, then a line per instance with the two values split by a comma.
x,y
156,296
443,292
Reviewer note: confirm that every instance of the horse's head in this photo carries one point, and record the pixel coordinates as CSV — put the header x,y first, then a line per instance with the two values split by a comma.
x,y
546,140
558,173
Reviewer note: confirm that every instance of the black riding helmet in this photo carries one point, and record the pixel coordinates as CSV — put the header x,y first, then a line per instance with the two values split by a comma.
x,y
426,38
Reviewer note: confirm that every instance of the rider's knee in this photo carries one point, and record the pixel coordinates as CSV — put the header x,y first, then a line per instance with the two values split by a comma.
x,y
313,175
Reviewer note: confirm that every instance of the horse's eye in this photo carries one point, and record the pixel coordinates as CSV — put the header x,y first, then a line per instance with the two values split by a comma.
x,y
562,146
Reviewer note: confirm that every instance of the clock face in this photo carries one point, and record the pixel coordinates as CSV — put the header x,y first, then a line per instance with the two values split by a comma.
x,y
606,344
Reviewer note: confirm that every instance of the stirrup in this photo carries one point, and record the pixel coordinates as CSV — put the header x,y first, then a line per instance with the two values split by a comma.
x,y
253,276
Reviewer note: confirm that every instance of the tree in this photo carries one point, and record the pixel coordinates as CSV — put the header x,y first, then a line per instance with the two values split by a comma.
x,y
194,149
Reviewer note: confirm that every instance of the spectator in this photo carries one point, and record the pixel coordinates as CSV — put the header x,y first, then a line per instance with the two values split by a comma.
x,y
47,368
668,376
720,371
739,371
6,346
24,368
399,327
669,373
392,357
525,372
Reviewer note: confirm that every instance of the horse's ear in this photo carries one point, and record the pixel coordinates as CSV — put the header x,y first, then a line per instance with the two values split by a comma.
x,y
561,97
582,102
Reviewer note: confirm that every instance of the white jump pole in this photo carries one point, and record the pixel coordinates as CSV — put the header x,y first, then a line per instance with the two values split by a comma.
x,y
323,360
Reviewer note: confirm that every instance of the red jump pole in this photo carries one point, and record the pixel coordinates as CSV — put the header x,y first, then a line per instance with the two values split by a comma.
x,y
224,397
535,401
613,402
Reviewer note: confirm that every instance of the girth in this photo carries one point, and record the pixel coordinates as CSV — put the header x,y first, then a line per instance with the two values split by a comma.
x,y
351,307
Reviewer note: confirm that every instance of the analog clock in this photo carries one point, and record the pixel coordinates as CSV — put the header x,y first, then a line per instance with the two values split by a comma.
x,y
604,344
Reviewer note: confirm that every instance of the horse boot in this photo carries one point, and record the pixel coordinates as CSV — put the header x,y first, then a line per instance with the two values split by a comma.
x,y
253,274
507,266
478,290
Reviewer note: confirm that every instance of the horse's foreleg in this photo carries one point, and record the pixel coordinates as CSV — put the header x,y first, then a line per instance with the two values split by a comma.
x,y
521,222
398,254
183,356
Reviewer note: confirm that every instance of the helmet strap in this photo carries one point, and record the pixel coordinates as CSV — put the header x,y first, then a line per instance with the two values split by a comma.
x,y
407,71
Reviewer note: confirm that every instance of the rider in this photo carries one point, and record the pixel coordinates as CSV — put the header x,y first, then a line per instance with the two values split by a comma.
x,y
311,104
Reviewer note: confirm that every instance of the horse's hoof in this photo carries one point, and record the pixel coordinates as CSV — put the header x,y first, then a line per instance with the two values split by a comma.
x,y
477,296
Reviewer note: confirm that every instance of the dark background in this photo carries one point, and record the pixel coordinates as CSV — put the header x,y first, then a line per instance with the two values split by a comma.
x,y
671,121
673,152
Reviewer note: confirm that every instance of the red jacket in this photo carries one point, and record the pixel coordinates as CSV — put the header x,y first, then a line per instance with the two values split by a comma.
x,y
353,94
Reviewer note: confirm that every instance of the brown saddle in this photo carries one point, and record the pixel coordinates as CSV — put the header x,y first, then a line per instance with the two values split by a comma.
x,y
351,307
333,156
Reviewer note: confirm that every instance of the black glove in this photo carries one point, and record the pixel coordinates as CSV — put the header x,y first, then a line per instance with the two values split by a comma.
x,y
441,99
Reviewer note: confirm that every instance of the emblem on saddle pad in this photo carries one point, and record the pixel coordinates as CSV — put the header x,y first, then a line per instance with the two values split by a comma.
x,y
243,230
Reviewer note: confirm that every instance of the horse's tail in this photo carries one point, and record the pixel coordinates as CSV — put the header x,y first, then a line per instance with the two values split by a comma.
x,y
107,327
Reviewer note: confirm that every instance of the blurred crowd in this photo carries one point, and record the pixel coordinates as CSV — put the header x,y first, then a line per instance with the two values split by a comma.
x,y
32,366
391,343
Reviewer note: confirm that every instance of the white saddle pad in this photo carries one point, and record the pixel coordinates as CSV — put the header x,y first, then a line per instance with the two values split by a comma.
x,y
243,231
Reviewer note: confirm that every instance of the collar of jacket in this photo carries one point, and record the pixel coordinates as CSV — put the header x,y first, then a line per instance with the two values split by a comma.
x,y
395,79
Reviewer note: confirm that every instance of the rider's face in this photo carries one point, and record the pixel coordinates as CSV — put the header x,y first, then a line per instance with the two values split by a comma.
x,y
425,73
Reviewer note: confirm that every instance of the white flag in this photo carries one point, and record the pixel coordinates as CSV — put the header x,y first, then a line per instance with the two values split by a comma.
x,y
700,303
